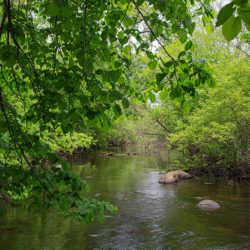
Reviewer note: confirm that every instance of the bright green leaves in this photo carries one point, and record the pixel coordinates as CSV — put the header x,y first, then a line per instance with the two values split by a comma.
x,y
231,23
225,13
188,45
164,95
186,108
231,28
128,21
152,97
152,64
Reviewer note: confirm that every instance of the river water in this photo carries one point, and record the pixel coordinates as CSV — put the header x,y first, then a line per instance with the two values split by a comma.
x,y
150,215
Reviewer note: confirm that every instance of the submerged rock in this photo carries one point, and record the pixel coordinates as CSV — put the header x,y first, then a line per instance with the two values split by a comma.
x,y
208,204
174,176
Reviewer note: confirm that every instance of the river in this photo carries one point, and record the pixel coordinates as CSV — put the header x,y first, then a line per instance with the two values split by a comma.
x,y
150,215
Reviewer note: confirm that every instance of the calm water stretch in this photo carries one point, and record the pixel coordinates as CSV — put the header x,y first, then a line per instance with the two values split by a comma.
x,y
151,215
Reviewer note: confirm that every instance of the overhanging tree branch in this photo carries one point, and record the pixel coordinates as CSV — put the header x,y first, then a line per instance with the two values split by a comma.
x,y
153,33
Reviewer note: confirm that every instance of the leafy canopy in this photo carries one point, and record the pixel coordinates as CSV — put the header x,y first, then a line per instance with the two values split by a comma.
x,y
65,67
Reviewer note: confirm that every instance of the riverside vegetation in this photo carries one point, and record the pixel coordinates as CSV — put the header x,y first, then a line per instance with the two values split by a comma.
x,y
76,74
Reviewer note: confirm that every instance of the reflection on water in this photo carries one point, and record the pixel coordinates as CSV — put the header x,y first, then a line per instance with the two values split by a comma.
x,y
151,215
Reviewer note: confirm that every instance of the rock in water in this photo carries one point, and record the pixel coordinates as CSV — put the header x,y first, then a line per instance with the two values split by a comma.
x,y
208,204
182,175
174,176
168,178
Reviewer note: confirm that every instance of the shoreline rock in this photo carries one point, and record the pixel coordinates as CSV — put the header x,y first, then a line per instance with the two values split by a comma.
x,y
174,176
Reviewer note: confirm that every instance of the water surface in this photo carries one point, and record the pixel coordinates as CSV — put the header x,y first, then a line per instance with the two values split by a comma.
x,y
150,215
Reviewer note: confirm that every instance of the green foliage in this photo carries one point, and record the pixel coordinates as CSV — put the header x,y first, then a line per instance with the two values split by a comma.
x,y
213,128
66,68
231,25
231,28
68,143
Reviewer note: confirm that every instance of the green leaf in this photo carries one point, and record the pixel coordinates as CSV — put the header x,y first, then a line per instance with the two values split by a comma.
x,y
152,97
208,28
231,28
186,108
188,45
117,110
225,13
160,77
191,28
66,11
152,64
244,14
241,2
183,36
125,103
11,60
181,54
169,64
53,10
139,2
116,94
163,95
84,100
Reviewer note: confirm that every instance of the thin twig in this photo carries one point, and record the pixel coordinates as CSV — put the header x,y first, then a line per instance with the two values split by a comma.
x,y
153,33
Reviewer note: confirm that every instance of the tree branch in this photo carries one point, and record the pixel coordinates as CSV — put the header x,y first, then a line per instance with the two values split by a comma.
x,y
152,32
160,123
